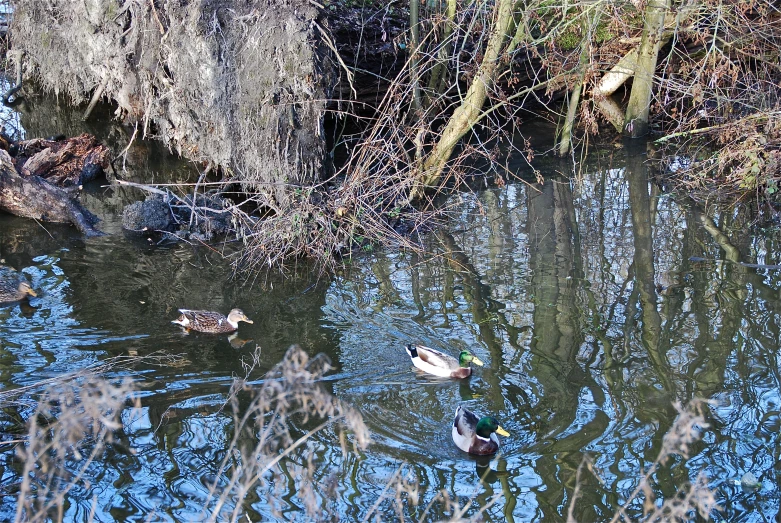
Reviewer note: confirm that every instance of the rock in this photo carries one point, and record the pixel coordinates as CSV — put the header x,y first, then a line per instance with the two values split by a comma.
x,y
151,215
200,219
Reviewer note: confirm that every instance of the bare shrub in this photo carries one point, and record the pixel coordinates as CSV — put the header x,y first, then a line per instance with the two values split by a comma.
x,y
370,201
692,499
265,433
70,429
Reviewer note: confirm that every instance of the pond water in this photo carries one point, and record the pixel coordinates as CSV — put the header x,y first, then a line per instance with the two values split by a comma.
x,y
596,302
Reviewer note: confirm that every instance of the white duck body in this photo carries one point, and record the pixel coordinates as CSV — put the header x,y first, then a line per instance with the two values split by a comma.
x,y
438,363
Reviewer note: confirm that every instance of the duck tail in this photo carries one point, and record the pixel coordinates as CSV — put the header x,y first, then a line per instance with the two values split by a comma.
x,y
411,350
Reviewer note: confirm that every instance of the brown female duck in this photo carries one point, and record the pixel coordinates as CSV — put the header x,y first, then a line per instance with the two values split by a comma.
x,y
13,286
208,321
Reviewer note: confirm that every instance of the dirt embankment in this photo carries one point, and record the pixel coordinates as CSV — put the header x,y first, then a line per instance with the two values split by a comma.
x,y
239,85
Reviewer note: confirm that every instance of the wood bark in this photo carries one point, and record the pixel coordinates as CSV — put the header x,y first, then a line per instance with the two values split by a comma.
x,y
636,118
468,113
64,163
33,197
439,74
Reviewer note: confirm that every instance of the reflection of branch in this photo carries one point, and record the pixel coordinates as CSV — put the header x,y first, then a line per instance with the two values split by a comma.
x,y
732,252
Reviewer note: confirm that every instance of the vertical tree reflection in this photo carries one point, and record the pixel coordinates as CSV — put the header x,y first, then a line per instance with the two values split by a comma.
x,y
555,263
645,281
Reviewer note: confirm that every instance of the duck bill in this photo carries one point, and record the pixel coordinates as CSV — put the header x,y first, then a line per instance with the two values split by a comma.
x,y
32,293
502,432
477,361
248,321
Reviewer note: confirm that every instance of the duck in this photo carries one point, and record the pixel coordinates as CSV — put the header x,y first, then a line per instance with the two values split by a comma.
x,y
14,286
440,364
208,321
476,436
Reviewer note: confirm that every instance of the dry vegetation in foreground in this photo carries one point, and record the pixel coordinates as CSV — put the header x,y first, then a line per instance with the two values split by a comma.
x,y
691,500
77,418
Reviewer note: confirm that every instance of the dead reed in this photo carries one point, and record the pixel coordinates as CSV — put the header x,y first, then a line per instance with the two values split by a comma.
x,y
71,427
265,433
692,499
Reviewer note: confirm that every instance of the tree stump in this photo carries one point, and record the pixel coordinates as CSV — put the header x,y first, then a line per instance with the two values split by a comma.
x,y
64,163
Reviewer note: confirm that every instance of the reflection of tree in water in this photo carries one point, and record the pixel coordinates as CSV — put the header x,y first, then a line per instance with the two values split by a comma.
x,y
599,302
555,262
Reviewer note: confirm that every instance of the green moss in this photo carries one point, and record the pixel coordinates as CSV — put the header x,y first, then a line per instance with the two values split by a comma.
x,y
568,40
603,34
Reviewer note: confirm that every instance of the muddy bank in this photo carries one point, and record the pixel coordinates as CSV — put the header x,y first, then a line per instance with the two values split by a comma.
x,y
235,85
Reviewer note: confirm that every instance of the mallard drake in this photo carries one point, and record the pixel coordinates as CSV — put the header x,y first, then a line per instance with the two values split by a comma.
x,y
441,364
476,436
207,321
13,286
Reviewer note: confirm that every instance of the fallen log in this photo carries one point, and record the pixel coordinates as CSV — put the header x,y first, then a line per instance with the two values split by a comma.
x,y
64,163
33,197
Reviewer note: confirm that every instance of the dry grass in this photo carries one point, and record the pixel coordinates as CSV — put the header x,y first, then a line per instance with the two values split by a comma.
x,y
72,421
692,499
72,426
265,434
77,418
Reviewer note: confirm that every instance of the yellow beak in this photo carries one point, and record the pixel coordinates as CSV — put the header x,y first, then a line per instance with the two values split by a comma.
x,y
502,432
248,321
477,361
32,293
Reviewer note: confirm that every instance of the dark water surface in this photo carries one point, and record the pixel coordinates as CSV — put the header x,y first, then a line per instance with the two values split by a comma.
x,y
596,304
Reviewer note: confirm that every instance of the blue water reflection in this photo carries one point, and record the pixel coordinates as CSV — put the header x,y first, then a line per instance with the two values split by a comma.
x,y
596,304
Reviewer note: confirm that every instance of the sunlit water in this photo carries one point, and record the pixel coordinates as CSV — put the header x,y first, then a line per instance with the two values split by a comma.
x,y
588,299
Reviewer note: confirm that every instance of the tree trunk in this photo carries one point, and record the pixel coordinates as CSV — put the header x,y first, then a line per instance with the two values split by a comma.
x,y
467,114
636,119
439,75
565,140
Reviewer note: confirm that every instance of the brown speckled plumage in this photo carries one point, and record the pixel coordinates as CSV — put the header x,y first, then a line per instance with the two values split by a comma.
x,y
208,321
13,286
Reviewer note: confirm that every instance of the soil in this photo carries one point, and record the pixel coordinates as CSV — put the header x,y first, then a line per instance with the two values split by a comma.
x,y
236,85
